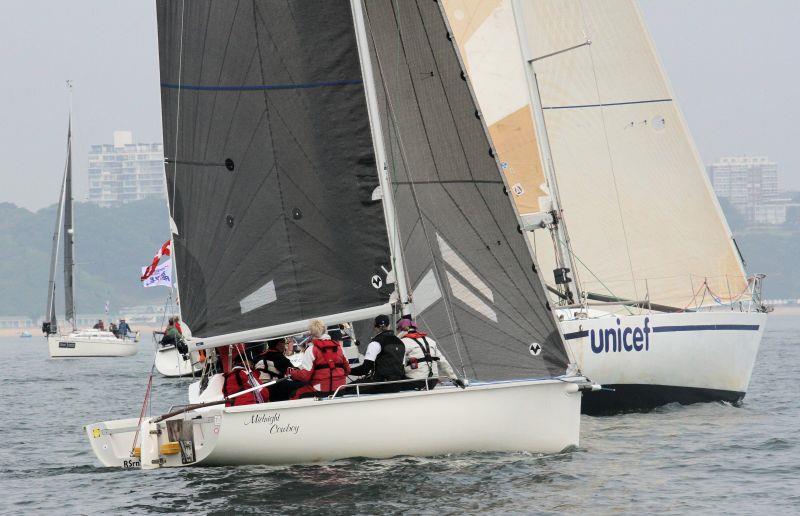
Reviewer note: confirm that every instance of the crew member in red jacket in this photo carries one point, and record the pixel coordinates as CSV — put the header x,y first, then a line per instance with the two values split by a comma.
x,y
240,379
324,367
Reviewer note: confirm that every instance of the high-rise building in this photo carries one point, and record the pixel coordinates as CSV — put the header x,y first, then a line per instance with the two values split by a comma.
x,y
125,171
749,184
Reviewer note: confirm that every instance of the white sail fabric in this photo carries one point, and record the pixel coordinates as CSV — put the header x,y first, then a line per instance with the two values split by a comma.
x,y
642,218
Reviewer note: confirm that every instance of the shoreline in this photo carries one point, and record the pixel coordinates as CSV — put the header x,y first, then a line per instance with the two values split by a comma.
x,y
144,331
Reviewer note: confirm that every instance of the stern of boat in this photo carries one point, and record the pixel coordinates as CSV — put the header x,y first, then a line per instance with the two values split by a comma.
x,y
112,442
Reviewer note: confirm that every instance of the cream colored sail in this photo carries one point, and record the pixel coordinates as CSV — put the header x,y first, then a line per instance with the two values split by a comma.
x,y
642,218
492,56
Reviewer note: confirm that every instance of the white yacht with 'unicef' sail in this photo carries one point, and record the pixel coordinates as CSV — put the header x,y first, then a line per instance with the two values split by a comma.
x,y
325,161
589,133
76,343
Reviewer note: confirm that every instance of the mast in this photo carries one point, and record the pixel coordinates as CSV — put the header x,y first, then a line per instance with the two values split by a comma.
x,y
559,229
69,224
387,196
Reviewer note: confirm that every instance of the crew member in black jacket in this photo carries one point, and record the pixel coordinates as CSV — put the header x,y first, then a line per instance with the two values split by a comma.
x,y
383,361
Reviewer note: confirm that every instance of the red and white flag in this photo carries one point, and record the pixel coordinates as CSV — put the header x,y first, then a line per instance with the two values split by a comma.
x,y
166,250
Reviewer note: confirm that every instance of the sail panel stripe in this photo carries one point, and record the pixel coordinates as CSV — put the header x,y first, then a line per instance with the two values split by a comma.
x,y
609,104
261,87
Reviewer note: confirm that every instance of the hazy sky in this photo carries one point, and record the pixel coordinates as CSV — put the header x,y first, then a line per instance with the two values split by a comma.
x,y
733,65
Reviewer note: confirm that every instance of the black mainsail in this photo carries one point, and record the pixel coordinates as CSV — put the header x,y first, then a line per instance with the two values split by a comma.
x,y
474,284
69,237
272,179
270,166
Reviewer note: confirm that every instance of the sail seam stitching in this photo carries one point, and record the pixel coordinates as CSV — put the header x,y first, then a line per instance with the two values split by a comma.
x,y
609,104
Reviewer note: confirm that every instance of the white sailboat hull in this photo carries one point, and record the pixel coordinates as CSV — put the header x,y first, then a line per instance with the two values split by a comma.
x,y
661,358
536,416
172,364
90,343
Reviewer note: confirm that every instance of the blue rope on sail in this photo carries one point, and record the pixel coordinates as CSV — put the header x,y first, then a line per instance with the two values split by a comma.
x,y
261,87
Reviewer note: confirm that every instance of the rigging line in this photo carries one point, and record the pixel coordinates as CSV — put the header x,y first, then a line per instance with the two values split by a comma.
x,y
178,113
572,254
446,294
610,157
463,148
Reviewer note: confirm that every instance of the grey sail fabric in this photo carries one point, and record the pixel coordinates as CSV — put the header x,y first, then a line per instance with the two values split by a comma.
x,y
69,238
271,172
50,312
474,284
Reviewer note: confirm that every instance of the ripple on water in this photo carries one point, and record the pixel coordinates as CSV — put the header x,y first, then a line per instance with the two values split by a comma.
x,y
709,458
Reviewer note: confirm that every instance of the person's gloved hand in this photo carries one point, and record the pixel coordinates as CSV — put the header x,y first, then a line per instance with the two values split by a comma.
x,y
459,383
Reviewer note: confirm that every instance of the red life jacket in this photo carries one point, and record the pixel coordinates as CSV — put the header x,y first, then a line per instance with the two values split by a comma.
x,y
329,370
238,380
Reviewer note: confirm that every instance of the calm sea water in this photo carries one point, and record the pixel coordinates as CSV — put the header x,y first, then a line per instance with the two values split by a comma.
x,y
710,458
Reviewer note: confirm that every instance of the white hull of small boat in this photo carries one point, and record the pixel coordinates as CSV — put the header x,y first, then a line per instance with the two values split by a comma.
x,y
654,359
90,343
172,364
536,416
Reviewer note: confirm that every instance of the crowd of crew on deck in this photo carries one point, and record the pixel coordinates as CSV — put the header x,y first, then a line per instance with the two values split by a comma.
x,y
406,360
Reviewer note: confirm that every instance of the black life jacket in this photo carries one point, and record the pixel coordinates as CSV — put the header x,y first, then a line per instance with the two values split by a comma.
x,y
389,362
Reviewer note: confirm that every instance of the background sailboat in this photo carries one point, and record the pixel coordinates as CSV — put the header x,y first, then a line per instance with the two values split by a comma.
x,y
76,343
328,164
615,164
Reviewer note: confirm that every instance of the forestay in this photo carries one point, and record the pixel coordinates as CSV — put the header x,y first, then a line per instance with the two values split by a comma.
x,y
642,217
473,283
271,172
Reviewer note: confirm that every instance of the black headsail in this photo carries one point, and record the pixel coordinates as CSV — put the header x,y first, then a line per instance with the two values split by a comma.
x,y
474,284
270,166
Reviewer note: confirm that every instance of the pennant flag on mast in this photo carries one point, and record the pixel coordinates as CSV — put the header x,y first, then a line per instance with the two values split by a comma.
x,y
164,251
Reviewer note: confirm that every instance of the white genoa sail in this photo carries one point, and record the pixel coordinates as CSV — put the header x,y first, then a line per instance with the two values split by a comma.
x,y
643,220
